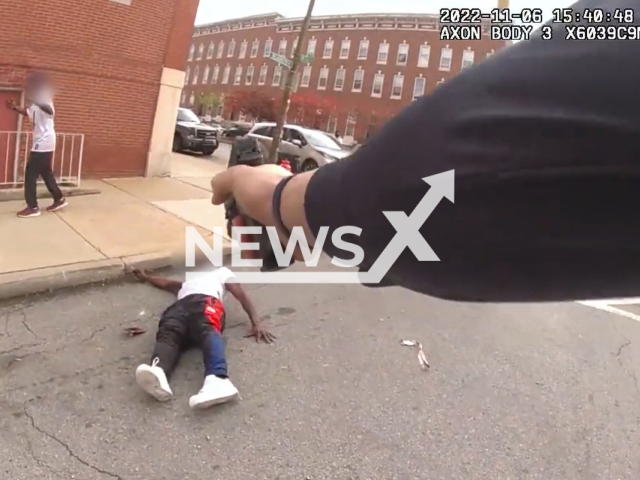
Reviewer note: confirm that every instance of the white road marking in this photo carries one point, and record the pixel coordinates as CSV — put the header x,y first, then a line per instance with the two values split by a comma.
x,y
607,306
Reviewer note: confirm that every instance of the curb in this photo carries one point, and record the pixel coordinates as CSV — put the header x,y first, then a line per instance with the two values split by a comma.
x,y
18,194
48,279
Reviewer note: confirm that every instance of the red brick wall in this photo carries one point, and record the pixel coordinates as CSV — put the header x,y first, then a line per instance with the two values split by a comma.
x,y
105,60
368,109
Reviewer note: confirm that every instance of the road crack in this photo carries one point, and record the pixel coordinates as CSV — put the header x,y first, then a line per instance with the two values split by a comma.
x,y
622,347
71,453
26,325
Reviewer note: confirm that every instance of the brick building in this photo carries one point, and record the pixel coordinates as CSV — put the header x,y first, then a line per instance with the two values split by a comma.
x,y
118,68
370,66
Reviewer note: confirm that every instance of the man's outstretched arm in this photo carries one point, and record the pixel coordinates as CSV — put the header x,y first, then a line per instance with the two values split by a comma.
x,y
247,305
12,106
162,283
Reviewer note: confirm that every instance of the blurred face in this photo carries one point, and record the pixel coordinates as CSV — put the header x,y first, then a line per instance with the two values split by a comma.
x,y
34,86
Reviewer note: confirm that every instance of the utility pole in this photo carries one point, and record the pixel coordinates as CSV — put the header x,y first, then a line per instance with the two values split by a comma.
x,y
286,97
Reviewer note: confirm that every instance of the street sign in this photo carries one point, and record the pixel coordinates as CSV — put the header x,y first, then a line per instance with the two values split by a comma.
x,y
306,58
280,59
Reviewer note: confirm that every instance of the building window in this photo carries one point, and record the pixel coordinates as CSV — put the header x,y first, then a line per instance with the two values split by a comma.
x,y
249,77
282,49
396,89
220,49
490,53
403,54
192,99
277,76
306,76
187,74
358,80
311,46
196,74
323,78
214,76
294,46
378,82
238,76
340,75
445,59
383,53
225,74
210,50
328,49
419,86
183,98
345,48
350,128
255,46
205,76
467,58
191,52
264,70
232,48
332,125
423,57
267,47
243,49
200,51
363,50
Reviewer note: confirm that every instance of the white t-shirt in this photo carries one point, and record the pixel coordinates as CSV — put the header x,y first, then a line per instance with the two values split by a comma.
x,y
210,283
44,134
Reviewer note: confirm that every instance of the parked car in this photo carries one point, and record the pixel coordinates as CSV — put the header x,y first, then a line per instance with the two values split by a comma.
x,y
313,147
237,131
192,134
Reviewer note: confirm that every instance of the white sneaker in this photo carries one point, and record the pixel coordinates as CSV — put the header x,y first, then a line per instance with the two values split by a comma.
x,y
153,380
214,391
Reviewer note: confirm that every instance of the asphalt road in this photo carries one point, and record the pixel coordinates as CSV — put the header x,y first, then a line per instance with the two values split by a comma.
x,y
514,391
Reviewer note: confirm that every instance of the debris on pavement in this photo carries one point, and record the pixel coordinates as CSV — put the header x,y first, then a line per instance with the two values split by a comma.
x,y
133,331
422,358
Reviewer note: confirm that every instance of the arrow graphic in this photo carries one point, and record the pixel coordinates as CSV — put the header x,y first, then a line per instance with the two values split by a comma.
x,y
408,228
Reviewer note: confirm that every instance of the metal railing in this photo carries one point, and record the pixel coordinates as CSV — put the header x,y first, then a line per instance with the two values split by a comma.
x,y
14,154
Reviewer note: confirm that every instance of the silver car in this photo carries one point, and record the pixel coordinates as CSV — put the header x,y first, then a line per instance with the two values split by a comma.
x,y
313,147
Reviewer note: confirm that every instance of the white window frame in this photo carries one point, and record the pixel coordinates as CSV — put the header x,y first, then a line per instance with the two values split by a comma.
x,y
211,50
248,78
311,46
187,74
324,74
327,51
215,74
196,75
243,49
393,87
403,46
200,52
294,45
183,97
192,51
345,55
255,48
277,73
351,122
424,87
440,82
373,87
220,51
231,49
380,52
237,77
341,72
192,99
264,71
353,85
424,55
205,75
332,124
468,58
490,53
282,47
449,51
363,43
268,47
226,73
305,80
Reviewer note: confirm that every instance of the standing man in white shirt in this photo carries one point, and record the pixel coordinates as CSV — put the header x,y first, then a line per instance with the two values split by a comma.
x,y
41,113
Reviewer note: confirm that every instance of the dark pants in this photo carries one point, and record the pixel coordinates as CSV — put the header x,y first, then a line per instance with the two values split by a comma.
x,y
196,320
39,165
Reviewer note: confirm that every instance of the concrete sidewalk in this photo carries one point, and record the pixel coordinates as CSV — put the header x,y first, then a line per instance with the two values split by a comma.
x,y
133,221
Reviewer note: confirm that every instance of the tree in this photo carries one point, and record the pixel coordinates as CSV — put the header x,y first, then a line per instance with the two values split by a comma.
x,y
208,100
255,103
311,109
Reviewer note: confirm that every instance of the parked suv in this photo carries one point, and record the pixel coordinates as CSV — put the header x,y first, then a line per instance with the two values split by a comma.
x,y
192,134
313,147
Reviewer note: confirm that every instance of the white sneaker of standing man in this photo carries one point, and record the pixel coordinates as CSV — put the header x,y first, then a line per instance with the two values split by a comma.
x,y
153,380
215,390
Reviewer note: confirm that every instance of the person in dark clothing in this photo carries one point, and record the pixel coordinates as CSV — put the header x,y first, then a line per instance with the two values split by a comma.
x,y
544,142
196,318
41,113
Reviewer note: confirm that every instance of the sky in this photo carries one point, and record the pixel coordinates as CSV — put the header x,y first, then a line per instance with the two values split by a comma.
x,y
217,10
